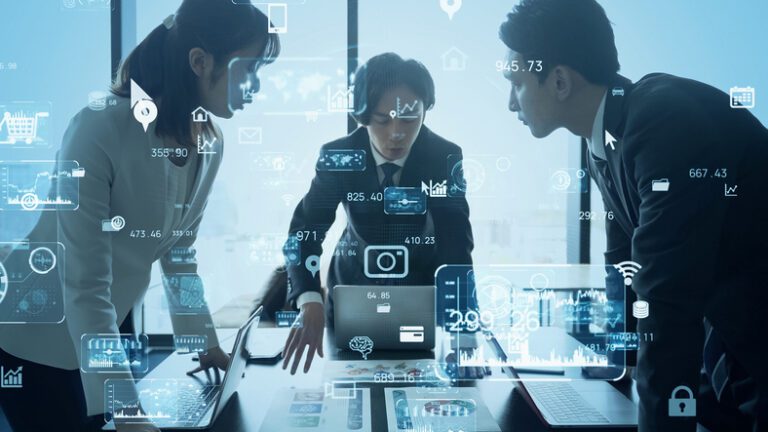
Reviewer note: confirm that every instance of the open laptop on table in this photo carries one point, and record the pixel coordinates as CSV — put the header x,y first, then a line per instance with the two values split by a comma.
x,y
392,317
563,401
198,403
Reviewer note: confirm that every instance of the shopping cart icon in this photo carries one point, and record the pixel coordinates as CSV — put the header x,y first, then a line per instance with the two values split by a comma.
x,y
20,127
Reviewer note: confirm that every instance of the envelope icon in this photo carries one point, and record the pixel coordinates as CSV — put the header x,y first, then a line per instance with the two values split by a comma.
x,y
660,185
383,308
249,135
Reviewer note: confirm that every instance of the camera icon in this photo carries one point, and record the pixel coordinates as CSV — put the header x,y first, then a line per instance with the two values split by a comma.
x,y
386,262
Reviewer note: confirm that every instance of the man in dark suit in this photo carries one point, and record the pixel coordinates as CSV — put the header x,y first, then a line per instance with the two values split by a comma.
x,y
684,175
402,189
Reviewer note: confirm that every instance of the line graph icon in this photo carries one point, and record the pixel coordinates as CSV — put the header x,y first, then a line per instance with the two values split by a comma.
x,y
406,111
39,185
628,270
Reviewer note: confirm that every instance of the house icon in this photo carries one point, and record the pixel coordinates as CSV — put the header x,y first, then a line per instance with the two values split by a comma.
x,y
454,60
199,115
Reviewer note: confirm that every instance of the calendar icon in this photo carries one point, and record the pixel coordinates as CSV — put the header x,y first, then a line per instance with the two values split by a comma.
x,y
742,97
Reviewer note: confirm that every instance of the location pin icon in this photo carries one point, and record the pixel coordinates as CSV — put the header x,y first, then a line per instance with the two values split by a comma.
x,y
450,7
144,109
145,112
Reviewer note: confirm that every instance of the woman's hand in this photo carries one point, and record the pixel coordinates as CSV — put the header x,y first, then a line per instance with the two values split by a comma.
x,y
215,357
307,331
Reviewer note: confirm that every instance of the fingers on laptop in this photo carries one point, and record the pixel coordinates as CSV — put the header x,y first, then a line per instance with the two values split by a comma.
x,y
289,347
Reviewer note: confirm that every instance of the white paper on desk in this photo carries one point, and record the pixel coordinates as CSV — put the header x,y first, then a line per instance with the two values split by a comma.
x,y
294,410
366,370
412,409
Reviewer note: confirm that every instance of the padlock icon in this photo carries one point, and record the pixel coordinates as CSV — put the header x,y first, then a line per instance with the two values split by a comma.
x,y
682,407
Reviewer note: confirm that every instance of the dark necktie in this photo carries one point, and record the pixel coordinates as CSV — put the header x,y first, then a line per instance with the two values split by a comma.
x,y
389,170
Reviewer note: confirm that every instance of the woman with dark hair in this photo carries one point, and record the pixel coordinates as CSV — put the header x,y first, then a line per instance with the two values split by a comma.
x,y
398,153
141,200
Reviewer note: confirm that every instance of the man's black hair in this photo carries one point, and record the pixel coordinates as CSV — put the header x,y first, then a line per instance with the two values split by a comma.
x,y
385,72
573,33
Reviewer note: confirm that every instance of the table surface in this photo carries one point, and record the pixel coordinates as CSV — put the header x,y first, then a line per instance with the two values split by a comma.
x,y
247,409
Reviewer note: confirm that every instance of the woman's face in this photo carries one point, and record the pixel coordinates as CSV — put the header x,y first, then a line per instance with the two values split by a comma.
x,y
396,122
214,82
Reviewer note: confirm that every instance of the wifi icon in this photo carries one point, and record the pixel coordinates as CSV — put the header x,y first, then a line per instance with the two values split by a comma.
x,y
628,269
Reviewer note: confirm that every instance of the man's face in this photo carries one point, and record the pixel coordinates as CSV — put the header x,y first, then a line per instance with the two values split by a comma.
x,y
396,122
535,103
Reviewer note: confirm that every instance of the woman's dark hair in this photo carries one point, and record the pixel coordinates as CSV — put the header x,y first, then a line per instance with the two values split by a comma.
x,y
573,33
160,63
384,72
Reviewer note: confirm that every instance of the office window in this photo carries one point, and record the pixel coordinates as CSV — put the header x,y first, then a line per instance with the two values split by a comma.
x,y
270,152
45,81
518,202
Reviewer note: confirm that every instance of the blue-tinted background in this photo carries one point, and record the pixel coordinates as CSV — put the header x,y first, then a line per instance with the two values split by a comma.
x,y
63,54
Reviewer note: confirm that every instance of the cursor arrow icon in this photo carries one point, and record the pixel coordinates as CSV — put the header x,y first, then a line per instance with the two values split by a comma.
x,y
610,140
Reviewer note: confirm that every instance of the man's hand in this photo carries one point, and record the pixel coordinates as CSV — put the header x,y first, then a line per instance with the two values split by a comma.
x,y
307,331
215,357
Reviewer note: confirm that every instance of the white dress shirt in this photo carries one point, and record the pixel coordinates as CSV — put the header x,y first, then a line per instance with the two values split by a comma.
x,y
596,144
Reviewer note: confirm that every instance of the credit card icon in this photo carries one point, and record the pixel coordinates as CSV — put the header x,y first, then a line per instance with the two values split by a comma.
x,y
412,334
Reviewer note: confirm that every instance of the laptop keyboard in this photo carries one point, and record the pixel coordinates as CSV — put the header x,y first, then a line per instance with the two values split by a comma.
x,y
194,401
566,405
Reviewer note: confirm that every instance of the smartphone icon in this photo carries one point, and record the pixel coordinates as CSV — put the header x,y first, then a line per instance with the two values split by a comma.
x,y
278,17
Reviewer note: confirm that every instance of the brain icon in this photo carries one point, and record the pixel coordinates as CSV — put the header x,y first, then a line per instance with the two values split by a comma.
x,y
361,344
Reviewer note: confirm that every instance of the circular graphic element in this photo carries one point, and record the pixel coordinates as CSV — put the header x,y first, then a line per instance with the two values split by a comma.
x,y
42,260
468,176
494,295
539,281
561,180
3,282
392,261
29,201
34,302
503,164
117,222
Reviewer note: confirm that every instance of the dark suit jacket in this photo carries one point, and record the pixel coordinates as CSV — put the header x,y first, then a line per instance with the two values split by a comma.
x,y
703,254
446,218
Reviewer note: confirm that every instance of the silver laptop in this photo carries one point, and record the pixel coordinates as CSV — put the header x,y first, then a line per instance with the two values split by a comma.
x,y
199,403
572,402
390,317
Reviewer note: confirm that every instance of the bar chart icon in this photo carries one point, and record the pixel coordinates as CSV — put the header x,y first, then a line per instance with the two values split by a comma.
x,y
12,378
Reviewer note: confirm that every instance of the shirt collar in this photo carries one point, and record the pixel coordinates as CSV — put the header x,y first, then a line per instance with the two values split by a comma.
x,y
379,159
596,142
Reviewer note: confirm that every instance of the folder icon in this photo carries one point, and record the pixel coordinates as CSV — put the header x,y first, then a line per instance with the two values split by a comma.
x,y
383,308
249,135
660,185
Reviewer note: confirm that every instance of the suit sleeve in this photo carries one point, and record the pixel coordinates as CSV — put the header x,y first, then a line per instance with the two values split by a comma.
x,y
311,220
676,242
188,324
87,281
454,242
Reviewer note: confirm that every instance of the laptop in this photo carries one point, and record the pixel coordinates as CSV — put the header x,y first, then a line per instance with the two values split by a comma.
x,y
391,317
199,403
563,402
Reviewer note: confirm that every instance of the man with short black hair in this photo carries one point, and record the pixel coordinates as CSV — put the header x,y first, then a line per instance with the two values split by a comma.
x,y
683,173
393,149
